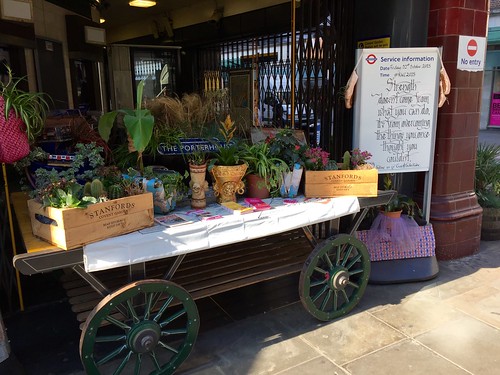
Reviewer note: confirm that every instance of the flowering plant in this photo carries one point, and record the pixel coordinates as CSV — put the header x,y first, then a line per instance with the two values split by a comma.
x,y
228,152
285,146
316,159
356,159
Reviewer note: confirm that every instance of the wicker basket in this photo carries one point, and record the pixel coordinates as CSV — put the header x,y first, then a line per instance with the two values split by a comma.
x,y
14,143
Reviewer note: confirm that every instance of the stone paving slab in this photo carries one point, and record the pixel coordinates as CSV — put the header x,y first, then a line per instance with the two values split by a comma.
x,y
468,342
448,325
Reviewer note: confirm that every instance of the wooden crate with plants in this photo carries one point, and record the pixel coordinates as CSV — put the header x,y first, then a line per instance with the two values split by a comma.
x,y
69,228
87,201
353,177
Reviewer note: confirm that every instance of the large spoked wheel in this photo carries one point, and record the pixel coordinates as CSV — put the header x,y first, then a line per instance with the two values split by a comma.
x,y
334,277
146,327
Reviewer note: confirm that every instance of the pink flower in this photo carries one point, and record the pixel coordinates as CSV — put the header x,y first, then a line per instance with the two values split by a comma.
x,y
317,159
359,157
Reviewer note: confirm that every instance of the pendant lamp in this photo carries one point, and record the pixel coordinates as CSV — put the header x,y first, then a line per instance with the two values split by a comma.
x,y
142,3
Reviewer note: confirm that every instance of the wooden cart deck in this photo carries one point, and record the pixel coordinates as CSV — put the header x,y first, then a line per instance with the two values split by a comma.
x,y
203,273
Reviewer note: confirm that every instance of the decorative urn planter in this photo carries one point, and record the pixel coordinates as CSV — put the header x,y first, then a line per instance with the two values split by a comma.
x,y
228,181
198,185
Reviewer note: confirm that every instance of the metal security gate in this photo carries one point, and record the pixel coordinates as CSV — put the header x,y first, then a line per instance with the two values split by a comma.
x,y
323,61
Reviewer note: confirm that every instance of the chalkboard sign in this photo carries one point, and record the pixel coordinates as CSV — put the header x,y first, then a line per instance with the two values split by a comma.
x,y
396,107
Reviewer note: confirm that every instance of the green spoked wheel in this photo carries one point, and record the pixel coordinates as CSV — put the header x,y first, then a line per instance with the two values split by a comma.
x,y
146,327
334,277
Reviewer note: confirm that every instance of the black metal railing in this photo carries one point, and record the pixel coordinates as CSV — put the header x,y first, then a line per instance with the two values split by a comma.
x,y
320,26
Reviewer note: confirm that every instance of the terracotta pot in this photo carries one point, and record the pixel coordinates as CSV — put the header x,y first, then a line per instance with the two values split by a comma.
x,y
392,214
198,185
227,181
257,187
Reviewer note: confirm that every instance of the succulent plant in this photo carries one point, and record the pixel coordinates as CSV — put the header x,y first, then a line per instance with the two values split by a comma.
x,y
96,189
86,189
116,191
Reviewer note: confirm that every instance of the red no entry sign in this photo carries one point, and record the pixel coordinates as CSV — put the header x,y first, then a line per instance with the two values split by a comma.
x,y
472,47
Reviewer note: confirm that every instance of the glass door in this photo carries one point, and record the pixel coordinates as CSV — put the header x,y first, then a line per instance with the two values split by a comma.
x,y
158,68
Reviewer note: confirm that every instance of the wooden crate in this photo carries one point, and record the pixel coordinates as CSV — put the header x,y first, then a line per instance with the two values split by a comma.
x,y
70,228
323,184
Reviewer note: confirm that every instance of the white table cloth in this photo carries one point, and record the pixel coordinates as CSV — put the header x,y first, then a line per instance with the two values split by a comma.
x,y
161,242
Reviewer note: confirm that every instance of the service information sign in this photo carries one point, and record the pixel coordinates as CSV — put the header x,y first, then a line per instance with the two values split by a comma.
x,y
396,107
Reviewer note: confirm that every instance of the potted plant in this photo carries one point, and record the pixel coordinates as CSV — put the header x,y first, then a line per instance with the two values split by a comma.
x,y
487,187
265,171
166,185
287,147
400,203
22,117
227,167
197,162
138,122
394,224
356,160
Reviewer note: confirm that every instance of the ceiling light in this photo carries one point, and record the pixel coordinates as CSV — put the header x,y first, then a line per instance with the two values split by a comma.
x,y
142,3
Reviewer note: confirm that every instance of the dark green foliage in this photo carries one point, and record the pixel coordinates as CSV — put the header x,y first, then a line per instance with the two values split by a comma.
x,y
487,178
400,202
263,163
96,188
115,192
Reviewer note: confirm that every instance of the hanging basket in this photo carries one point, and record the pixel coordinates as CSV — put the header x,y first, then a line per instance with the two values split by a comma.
x,y
14,143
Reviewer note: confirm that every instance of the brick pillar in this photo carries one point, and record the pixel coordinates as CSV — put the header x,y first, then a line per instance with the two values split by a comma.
x,y
455,213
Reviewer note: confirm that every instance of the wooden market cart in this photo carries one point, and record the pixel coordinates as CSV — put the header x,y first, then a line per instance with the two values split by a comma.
x,y
144,315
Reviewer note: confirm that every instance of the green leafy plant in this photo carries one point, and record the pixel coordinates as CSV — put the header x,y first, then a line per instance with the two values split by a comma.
x,y
85,167
400,202
286,146
139,123
31,107
264,164
37,154
173,181
65,194
197,156
487,177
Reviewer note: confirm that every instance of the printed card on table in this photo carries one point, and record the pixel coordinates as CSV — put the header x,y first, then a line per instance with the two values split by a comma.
x,y
172,220
236,208
257,204
203,215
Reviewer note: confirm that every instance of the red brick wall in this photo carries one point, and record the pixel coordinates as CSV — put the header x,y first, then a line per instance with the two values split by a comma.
x,y
455,214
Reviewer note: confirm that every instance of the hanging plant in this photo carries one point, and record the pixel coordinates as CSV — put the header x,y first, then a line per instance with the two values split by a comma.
x,y
22,117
